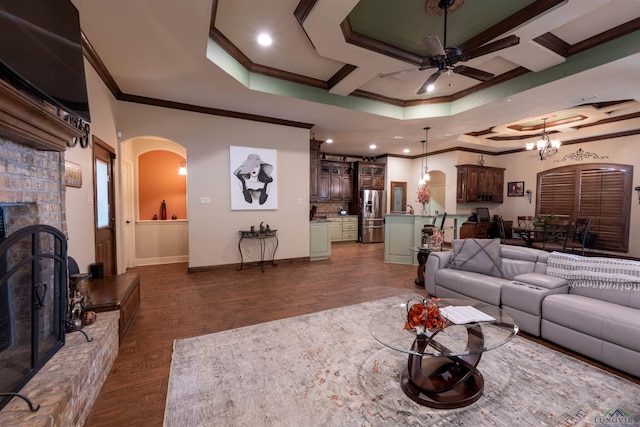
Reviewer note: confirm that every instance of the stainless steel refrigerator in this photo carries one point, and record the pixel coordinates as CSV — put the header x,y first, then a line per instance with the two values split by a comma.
x,y
371,218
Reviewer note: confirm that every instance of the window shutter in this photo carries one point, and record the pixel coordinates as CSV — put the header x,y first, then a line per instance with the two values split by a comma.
x,y
602,198
596,191
557,193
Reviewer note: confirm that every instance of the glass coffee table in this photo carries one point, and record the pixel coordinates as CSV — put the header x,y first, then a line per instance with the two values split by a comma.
x,y
442,365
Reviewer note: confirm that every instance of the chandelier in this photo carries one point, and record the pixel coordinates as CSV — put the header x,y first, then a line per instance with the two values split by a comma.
x,y
546,147
424,178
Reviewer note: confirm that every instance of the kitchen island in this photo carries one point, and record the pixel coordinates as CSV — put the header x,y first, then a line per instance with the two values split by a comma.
x,y
403,235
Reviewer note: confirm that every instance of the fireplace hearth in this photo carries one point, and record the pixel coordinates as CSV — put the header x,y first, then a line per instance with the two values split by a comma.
x,y
33,283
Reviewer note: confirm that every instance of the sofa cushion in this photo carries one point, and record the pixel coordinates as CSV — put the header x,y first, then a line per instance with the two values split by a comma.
x,y
600,319
611,295
476,255
474,285
513,267
520,253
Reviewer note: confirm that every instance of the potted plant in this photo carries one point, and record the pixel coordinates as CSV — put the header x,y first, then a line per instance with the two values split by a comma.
x,y
540,220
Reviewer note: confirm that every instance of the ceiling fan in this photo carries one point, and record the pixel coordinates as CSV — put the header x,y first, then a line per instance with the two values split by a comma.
x,y
444,59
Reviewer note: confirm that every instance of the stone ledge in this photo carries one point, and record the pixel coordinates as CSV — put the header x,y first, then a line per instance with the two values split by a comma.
x,y
68,385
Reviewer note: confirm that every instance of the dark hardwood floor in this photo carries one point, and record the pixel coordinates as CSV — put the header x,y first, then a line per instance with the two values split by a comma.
x,y
177,305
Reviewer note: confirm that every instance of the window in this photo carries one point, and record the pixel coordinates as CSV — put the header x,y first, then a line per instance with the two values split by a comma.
x,y
601,192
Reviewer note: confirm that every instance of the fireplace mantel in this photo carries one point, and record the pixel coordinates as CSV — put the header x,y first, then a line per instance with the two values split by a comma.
x,y
27,121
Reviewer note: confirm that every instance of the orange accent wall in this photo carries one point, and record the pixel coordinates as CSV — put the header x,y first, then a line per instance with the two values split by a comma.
x,y
158,180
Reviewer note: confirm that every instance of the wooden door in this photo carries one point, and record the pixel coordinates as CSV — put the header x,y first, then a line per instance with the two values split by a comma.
x,y
104,205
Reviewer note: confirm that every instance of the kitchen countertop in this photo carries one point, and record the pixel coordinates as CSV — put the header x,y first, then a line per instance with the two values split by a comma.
x,y
326,217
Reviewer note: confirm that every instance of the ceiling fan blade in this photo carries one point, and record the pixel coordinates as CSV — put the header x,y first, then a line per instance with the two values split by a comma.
x,y
433,45
491,47
474,73
431,80
395,73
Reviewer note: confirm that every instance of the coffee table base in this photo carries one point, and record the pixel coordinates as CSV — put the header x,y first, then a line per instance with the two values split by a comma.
x,y
462,394
444,382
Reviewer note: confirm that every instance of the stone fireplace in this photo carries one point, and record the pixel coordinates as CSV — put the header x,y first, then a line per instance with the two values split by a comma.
x,y
33,288
33,140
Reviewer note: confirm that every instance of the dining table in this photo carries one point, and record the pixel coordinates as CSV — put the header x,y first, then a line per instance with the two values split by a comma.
x,y
529,234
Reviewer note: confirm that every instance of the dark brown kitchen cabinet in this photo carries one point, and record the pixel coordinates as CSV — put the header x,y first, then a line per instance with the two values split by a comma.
x,y
370,175
314,169
479,184
334,182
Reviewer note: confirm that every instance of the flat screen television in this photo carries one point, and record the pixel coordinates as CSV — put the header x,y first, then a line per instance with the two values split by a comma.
x,y
41,52
483,214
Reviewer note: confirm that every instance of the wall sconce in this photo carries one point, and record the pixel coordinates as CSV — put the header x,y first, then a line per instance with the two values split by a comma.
x,y
183,168
529,195
638,190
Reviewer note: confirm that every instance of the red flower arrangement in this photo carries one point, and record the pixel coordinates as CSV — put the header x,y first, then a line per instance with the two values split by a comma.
x,y
424,194
425,316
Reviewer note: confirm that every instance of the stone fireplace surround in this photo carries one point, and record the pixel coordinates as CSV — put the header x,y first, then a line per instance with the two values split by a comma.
x,y
33,138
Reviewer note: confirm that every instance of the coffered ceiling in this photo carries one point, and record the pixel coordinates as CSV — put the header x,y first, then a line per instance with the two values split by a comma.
x,y
325,69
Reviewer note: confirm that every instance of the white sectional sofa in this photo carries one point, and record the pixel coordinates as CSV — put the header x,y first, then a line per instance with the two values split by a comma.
x,y
549,295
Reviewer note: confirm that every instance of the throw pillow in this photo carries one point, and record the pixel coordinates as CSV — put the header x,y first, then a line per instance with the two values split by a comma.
x,y
476,255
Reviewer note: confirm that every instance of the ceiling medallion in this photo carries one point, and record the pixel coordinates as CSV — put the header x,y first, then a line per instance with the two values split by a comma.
x,y
433,8
580,155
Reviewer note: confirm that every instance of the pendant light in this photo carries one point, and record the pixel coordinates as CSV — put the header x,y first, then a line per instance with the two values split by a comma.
x,y
425,177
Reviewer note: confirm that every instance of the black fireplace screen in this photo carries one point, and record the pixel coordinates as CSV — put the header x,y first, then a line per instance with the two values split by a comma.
x,y
33,300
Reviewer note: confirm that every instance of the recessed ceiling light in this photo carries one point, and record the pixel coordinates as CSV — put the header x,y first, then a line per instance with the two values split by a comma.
x,y
397,137
373,146
264,39
431,88
406,150
329,141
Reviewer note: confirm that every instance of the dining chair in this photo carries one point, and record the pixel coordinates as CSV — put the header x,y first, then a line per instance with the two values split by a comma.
x,y
430,228
525,221
503,239
554,235
580,233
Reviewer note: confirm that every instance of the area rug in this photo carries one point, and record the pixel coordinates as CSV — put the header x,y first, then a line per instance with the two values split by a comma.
x,y
325,369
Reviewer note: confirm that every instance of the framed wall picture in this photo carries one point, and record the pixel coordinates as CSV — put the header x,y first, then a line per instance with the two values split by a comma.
x,y
253,177
515,189
72,174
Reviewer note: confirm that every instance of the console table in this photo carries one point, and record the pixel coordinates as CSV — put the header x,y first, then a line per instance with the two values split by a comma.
x,y
263,238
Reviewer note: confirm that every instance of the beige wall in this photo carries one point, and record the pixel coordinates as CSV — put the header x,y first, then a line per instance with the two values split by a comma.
x,y
213,227
80,209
